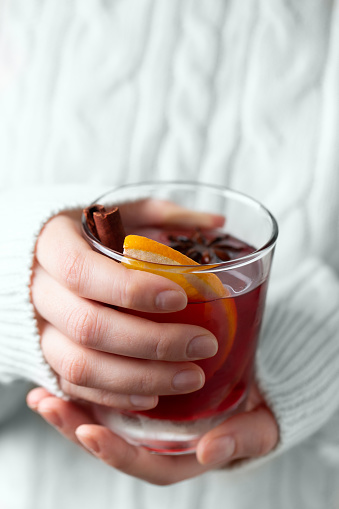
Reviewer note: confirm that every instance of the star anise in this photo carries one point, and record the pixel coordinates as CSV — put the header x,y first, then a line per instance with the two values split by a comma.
x,y
207,249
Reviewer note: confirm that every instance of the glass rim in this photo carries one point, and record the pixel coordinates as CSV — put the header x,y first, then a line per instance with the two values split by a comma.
x,y
255,255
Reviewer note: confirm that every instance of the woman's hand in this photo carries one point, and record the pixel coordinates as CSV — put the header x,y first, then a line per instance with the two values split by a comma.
x,y
103,354
100,352
250,434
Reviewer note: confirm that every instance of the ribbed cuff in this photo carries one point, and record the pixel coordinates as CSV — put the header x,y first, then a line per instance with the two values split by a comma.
x,y
23,213
298,359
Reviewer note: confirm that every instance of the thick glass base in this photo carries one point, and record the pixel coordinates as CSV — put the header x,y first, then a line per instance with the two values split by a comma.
x,y
162,436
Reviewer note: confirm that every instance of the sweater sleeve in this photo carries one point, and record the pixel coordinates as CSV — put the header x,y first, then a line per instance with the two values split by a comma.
x,y
298,358
24,212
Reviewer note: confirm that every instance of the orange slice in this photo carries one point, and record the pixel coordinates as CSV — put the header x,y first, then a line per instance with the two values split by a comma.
x,y
219,311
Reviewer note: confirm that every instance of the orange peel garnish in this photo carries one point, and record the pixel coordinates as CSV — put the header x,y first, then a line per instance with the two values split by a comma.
x,y
199,287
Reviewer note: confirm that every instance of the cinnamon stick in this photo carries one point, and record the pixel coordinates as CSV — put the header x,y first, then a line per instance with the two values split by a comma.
x,y
106,226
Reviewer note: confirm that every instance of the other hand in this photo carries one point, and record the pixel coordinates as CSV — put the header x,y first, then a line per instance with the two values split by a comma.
x,y
248,435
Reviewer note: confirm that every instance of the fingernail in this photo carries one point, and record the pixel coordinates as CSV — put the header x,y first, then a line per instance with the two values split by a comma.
x,y
88,442
221,449
187,380
140,401
171,300
202,347
51,417
32,405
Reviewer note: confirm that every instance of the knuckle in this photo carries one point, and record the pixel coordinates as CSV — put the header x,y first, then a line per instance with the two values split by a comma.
x,y
74,370
83,326
73,270
128,292
109,399
124,462
162,348
146,382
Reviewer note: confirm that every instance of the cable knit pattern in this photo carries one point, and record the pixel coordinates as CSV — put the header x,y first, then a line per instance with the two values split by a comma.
x,y
95,93
190,101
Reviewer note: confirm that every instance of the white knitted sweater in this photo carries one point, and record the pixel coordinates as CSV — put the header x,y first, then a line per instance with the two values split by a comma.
x,y
245,94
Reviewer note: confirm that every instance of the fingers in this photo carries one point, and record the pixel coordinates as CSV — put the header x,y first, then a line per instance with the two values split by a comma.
x,y
76,424
66,256
131,402
137,461
162,212
247,435
95,326
117,374
122,401
35,396
66,416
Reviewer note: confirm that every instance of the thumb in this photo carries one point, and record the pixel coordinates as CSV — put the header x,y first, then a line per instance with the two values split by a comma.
x,y
246,435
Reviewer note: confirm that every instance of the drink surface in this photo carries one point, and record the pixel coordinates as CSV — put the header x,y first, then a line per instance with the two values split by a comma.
x,y
227,379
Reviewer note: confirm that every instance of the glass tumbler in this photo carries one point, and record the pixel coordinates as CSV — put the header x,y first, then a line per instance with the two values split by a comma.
x,y
232,310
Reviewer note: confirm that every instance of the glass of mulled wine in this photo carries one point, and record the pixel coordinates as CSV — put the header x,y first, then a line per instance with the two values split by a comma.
x,y
228,278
